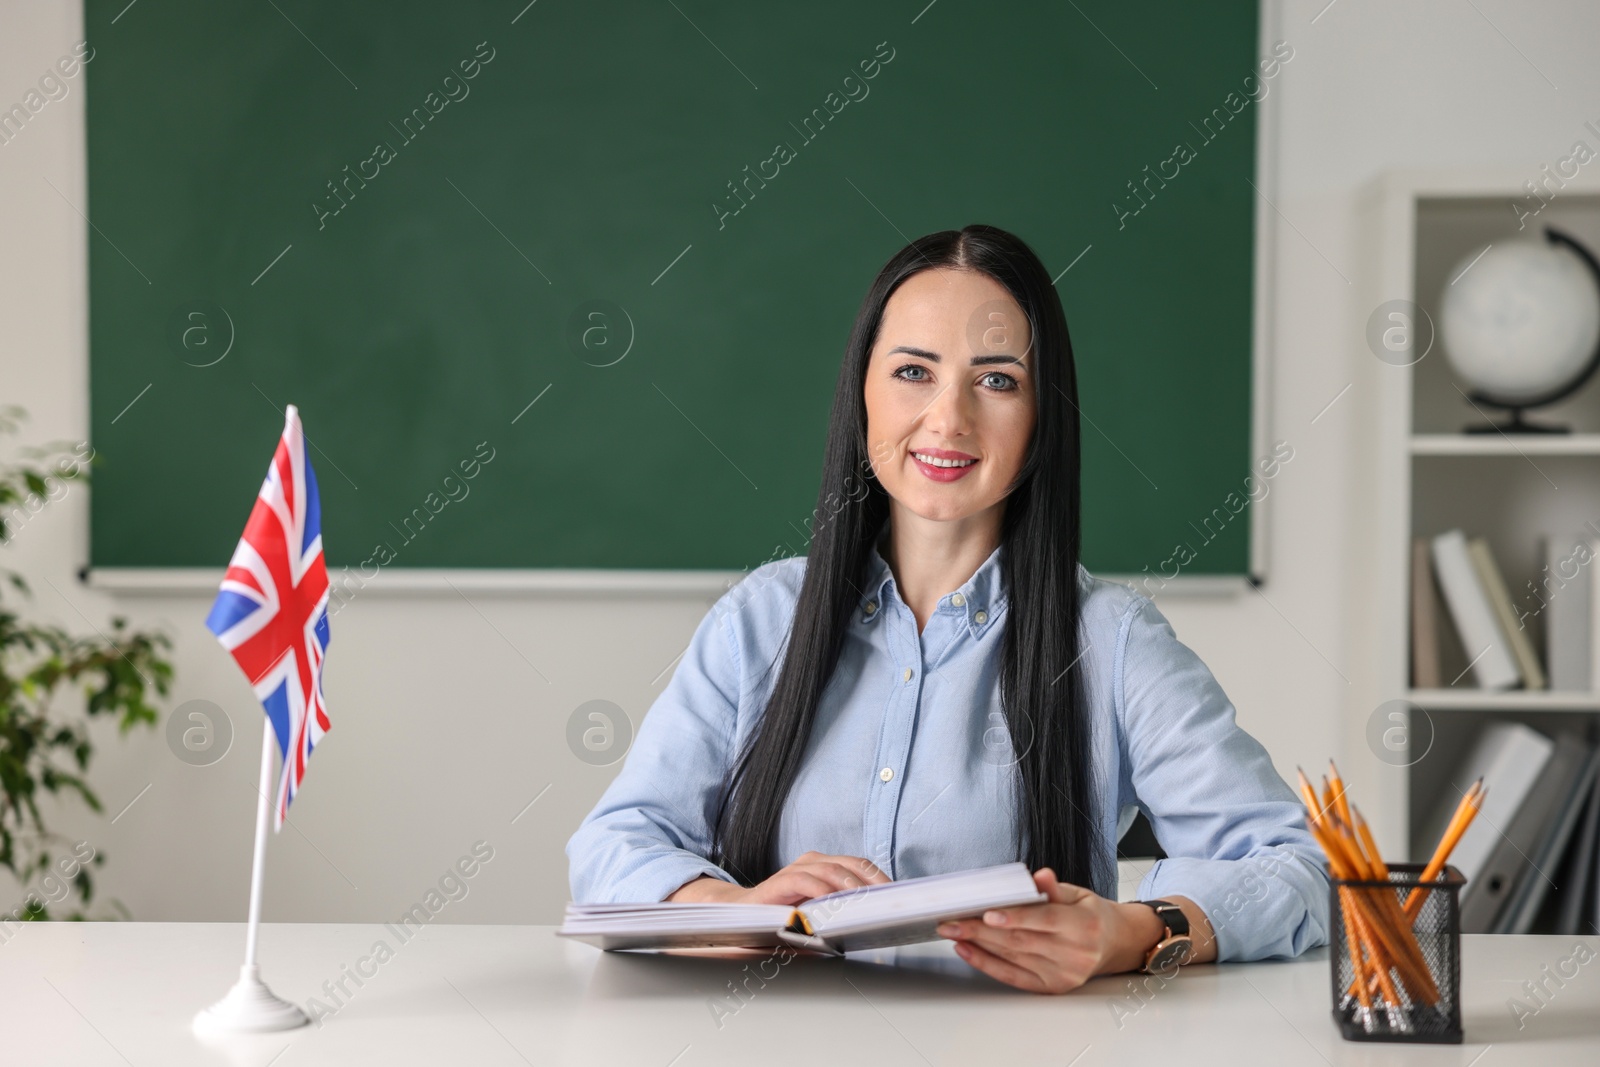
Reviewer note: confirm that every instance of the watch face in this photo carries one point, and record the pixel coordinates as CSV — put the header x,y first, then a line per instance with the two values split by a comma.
x,y
1168,955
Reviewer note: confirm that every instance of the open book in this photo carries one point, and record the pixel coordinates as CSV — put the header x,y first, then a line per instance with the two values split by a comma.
x,y
874,916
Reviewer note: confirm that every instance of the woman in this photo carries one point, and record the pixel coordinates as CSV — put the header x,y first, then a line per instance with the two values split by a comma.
x,y
940,685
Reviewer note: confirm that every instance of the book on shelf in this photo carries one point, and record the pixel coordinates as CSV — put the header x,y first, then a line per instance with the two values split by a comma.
x,y
1578,908
1516,634
1483,638
1425,611
1594,616
874,916
1571,608
1549,876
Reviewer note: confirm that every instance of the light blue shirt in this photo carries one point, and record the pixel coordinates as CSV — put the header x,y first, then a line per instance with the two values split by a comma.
x,y
910,765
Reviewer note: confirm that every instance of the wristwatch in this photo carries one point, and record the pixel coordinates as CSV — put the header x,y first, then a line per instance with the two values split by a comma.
x,y
1175,945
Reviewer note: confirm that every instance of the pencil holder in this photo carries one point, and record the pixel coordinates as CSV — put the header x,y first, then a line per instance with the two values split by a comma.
x,y
1397,973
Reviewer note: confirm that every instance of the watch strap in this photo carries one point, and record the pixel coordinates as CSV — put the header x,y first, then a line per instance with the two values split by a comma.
x,y
1169,913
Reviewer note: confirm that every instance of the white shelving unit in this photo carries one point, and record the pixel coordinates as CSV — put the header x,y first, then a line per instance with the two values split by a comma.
x,y
1417,474
1443,444
1480,700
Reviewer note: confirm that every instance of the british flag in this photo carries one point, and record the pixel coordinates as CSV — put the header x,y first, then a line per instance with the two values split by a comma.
x,y
272,610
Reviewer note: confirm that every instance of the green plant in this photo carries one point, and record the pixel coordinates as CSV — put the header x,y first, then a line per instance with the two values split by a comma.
x,y
41,750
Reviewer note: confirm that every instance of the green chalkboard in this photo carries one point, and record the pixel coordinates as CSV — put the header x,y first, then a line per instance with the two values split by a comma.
x,y
402,217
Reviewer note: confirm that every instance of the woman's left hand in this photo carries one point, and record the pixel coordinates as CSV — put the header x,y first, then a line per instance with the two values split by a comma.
x,y
1058,945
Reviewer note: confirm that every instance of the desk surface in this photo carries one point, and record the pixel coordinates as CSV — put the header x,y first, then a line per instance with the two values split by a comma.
x,y
124,993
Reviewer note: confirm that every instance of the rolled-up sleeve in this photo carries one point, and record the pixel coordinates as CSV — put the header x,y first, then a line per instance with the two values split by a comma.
x,y
651,830
1233,830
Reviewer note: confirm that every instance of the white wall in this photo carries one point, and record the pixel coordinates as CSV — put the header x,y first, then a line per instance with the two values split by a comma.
x,y
444,732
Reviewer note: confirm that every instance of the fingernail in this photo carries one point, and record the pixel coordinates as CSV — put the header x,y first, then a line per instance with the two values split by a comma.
x,y
995,918
962,950
947,929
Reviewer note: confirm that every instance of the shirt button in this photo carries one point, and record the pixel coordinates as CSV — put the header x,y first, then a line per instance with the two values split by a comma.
x,y
981,617
957,599
908,678
886,774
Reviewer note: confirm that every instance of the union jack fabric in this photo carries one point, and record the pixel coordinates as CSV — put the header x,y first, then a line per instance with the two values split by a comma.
x,y
271,612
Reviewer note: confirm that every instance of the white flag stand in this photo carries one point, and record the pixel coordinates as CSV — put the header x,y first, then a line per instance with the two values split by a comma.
x,y
250,1006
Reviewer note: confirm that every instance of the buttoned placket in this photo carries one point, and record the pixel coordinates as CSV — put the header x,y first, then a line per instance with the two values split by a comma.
x,y
909,661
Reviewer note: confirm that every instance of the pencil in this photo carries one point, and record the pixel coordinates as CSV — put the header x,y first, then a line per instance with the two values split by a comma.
x,y
1358,967
1364,833
1338,793
1309,796
1471,801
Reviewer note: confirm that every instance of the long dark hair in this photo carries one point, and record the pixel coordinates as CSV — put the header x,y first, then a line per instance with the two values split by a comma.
x,y
1040,681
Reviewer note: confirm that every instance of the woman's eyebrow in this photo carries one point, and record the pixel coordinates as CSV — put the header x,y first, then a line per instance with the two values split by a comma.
x,y
977,361
923,352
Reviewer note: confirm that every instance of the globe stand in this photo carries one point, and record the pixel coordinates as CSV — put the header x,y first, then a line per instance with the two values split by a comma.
x,y
1518,424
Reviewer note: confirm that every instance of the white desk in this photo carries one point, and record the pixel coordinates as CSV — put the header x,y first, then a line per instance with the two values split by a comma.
x,y
115,993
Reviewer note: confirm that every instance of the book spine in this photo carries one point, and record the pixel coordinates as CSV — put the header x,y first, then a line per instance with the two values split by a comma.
x,y
1568,604
1481,639
1494,587
1424,619
1594,643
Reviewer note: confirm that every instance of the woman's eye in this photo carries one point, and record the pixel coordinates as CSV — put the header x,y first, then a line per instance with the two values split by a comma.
x,y
995,380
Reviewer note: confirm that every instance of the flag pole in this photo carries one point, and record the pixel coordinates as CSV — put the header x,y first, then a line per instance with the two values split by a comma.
x,y
262,804
250,1005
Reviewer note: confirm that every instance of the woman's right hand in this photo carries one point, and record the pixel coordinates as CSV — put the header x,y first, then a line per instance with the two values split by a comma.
x,y
812,875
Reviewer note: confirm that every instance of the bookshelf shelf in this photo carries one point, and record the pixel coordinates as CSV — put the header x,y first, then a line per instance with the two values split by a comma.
x,y
1447,444
1507,700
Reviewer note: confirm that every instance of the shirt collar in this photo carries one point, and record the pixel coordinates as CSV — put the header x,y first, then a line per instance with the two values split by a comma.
x,y
979,600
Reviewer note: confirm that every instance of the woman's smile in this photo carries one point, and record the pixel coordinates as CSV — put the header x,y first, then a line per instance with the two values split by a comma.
x,y
942,465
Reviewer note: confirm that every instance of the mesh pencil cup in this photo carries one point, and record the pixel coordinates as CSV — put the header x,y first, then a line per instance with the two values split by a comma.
x,y
1409,969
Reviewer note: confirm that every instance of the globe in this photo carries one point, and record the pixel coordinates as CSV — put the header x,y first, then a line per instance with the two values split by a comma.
x,y
1520,322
